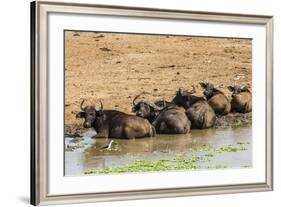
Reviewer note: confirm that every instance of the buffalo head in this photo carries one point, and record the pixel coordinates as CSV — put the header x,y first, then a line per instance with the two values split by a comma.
x,y
144,108
209,89
238,89
241,99
185,98
90,114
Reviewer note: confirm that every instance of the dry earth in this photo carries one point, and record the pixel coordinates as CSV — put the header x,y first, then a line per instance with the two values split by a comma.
x,y
116,67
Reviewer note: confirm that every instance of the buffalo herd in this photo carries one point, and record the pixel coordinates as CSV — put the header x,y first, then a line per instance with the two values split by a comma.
x,y
185,112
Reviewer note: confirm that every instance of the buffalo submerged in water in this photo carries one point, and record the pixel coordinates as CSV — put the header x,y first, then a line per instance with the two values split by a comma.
x,y
115,124
186,111
166,119
199,112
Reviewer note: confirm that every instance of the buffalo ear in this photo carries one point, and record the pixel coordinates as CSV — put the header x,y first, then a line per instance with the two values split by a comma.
x,y
81,114
230,88
244,89
180,91
203,85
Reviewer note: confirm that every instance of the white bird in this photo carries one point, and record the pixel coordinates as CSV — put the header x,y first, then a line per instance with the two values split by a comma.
x,y
108,146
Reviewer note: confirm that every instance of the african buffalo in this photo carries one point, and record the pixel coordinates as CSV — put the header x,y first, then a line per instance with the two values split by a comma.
x,y
115,124
216,99
241,99
199,112
166,119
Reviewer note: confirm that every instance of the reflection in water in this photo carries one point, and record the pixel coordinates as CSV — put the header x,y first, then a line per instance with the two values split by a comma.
x,y
127,151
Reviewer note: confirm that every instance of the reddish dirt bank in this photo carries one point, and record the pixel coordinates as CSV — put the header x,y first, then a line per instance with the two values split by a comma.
x,y
117,67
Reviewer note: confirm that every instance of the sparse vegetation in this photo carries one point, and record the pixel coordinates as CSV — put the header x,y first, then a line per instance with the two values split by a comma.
x,y
231,148
243,142
188,160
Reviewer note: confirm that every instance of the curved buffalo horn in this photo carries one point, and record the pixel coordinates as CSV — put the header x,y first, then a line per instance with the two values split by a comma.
x,y
244,88
164,102
134,101
153,105
81,105
193,90
180,91
101,106
203,84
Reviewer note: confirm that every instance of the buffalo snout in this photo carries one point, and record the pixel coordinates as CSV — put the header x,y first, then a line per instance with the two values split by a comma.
x,y
133,110
207,93
87,125
139,113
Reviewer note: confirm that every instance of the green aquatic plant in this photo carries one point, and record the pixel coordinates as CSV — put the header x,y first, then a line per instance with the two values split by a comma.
x,y
243,142
188,160
178,162
210,154
231,148
206,147
180,156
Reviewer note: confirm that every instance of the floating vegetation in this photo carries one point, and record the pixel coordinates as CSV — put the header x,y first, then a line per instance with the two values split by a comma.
x,y
210,155
179,162
188,160
243,142
231,148
207,147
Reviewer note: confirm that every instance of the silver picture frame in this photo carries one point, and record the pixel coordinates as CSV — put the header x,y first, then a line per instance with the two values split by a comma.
x,y
39,101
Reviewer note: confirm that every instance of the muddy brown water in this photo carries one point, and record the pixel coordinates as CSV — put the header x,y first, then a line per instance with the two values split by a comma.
x,y
91,156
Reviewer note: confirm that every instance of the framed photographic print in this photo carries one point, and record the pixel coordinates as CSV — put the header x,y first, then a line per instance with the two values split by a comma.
x,y
135,103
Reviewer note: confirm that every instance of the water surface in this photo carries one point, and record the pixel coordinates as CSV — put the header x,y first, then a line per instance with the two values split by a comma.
x,y
92,155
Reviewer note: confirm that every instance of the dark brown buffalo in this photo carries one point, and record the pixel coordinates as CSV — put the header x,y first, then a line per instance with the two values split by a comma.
x,y
216,99
199,112
166,119
241,99
115,124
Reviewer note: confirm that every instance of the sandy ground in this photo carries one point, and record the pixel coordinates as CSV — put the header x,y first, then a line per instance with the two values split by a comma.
x,y
115,68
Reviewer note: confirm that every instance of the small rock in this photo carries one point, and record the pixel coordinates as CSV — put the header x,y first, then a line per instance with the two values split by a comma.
x,y
99,36
227,50
105,49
